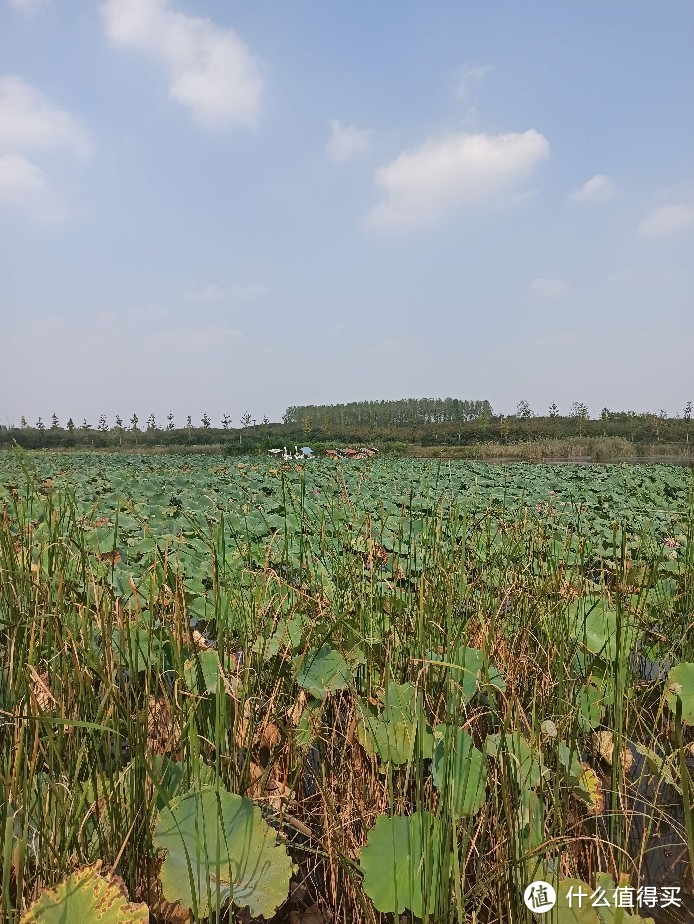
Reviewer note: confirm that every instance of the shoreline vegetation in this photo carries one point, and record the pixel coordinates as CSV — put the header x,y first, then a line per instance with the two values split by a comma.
x,y
593,449
569,449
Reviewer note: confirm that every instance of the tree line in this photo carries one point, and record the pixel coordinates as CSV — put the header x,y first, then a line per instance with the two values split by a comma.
x,y
405,412
424,422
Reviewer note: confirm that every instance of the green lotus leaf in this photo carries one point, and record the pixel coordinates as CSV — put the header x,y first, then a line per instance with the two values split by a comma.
x,y
201,672
591,707
572,909
322,671
392,732
531,818
570,760
470,661
525,767
287,634
138,649
459,770
594,624
168,777
405,864
680,684
218,846
608,915
86,895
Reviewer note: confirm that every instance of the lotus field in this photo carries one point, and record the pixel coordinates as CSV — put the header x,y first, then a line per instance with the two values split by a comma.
x,y
382,691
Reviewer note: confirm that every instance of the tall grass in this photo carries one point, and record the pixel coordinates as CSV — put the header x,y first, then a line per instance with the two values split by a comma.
x,y
92,716
594,448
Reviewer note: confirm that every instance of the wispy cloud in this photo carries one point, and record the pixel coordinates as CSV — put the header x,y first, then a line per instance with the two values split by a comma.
x,y
453,173
346,141
594,191
667,219
26,188
216,293
469,80
211,71
29,120
206,339
546,288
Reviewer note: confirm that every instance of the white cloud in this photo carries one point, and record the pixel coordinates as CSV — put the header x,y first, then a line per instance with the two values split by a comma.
x,y
346,141
667,219
29,120
458,171
594,191
544,287
216,293
210,70
26,187
29,7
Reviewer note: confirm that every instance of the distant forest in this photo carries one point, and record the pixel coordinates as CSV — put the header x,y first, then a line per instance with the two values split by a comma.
x,y
406,412
410,421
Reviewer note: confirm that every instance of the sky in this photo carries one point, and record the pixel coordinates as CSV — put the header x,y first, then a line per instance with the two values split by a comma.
x,y
220,207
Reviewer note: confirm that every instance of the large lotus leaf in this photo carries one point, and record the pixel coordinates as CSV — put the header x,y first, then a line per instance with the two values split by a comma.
x,y
680,683
322,671
391,733
201,672
459,770
405,862
525,767
219,843
84,896
594,624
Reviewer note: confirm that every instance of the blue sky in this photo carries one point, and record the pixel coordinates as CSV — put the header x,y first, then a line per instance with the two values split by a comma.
x,y
218,207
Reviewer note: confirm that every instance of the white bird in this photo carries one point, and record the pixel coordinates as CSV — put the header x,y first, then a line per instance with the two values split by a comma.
x,y
286,455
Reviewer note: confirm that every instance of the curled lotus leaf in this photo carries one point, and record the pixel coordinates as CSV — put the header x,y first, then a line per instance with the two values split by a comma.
x,y
219,848
86,895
